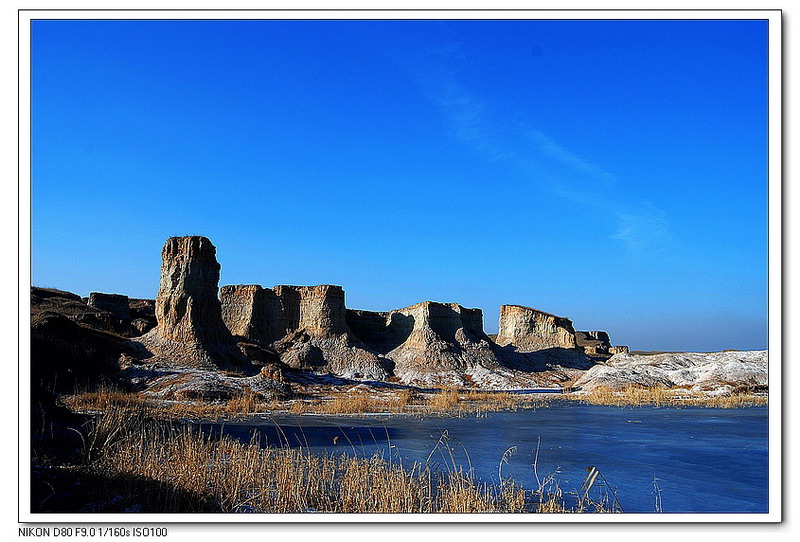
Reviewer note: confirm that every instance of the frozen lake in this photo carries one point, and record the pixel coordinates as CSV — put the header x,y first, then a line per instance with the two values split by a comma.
x,y
704,460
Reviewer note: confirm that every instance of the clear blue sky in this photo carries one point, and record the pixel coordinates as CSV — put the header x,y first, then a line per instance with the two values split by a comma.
x,y
613,172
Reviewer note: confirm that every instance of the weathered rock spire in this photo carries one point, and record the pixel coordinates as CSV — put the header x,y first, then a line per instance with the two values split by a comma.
x,y
190,330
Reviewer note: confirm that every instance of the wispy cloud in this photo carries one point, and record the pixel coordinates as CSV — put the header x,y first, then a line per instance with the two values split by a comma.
x,y
549,147
645,230
641,227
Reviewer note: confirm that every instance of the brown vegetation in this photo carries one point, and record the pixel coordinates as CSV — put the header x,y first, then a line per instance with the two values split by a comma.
x,y
449,402
224,475
403,401
660,396
108,399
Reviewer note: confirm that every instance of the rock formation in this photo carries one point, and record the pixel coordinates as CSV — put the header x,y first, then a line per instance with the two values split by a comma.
x,y
190,331
536,341
318,337
309,328
530,330
306,325
91,312
594,343
433,343
427,342
252,313
143,314
72,307
443,341
114,303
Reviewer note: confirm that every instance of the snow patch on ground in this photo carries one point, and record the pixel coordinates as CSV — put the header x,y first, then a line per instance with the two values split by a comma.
x,y
719,371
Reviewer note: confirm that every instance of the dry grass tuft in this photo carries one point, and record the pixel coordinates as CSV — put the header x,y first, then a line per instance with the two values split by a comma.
x,y
661,396
105,398
442,401
736,400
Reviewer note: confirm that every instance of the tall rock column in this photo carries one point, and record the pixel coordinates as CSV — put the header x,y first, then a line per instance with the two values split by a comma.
x,y
190,331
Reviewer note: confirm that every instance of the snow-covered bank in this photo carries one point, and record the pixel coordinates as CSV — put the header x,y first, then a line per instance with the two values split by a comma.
x,y
719,372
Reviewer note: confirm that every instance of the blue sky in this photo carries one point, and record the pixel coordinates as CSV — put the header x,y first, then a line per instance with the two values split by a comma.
x,y
613,172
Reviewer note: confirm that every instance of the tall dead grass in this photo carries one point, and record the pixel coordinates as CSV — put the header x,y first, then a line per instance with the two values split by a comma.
x,y
660,396
448,401
105,399
456,402
230,476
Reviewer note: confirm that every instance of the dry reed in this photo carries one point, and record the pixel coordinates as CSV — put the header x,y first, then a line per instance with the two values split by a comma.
x,y
226,475
660,396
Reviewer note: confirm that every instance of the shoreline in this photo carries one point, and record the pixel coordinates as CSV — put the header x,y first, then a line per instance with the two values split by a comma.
x,y
401,403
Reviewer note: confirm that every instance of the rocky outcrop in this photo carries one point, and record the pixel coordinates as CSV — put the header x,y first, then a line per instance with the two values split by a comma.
x,y
442,342
72,307
252,313
38,295
94,316
322,310
304,325
318,337
192,325
594,343
116,304
536,341
190,331
718,371
428,343
200,385
143,314
529,330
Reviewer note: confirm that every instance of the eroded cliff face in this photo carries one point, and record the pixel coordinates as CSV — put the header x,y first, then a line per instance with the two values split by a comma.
x,y
535,341
428,343
322,311
252,313
319,338
187,307
240,327
190,331
594,343
306,325
529,330
310,328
